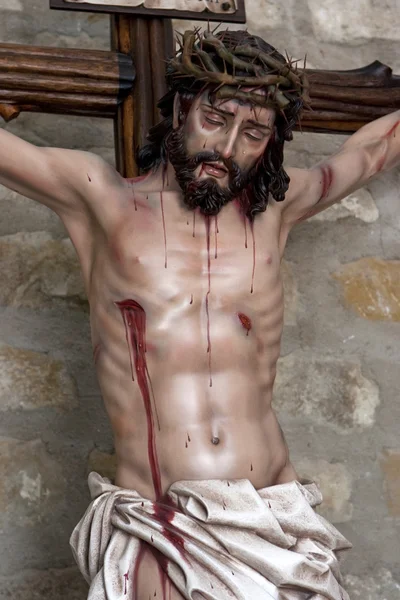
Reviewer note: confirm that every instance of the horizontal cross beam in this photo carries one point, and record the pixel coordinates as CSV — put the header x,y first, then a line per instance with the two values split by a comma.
x,y
104,84
63,80
95,82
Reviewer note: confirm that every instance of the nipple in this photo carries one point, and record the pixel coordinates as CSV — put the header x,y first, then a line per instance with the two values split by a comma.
x,y
215,440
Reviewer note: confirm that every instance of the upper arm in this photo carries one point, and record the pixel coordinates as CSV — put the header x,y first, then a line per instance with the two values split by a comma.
x,y
70,182
373,149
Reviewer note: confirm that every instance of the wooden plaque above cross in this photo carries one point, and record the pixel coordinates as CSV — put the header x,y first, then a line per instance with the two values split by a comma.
x,y
126,82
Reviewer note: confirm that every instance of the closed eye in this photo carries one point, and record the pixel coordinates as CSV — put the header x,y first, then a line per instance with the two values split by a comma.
x,y
255,137
215,120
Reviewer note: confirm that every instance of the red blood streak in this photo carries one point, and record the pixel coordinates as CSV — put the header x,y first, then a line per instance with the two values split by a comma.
x,y
245,321
245,231
207,219
165,233
254,257
126,577
164,512
392,129
137,202
216,238
88,176
327,178
194,223
135,325
191,299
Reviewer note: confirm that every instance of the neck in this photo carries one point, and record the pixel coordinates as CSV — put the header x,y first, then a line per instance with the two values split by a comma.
x,y
161,179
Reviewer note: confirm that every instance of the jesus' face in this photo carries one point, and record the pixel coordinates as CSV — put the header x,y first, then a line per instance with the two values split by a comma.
x,y
216,148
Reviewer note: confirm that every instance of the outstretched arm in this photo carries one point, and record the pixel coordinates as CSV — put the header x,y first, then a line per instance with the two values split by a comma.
x,y
69,182
373,149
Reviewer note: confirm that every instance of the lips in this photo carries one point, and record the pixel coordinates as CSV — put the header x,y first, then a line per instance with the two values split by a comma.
x,y
214,170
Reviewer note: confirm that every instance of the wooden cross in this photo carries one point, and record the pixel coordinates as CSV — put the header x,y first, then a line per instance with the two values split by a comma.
x,y
126,82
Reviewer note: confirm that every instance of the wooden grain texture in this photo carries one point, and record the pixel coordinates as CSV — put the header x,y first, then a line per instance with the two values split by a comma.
x,y
125,118
158,45
64,81
96,83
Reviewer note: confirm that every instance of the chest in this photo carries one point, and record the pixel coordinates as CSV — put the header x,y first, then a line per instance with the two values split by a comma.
x,y
164,254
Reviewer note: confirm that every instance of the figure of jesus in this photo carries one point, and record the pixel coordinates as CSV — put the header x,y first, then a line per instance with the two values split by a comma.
x,y
182,272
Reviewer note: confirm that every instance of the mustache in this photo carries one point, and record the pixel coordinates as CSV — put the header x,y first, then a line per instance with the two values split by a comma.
x,y
209,157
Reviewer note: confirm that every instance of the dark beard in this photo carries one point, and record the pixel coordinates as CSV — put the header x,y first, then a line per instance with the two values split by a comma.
x,y
205,194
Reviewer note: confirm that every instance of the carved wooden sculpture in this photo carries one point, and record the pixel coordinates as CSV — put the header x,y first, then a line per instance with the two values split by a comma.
x,y
187,316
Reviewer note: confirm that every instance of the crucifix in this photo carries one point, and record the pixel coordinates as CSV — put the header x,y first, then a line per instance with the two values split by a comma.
x,y
182,264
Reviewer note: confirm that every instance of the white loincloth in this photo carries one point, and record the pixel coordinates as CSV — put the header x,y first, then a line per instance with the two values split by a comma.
x,y
239,543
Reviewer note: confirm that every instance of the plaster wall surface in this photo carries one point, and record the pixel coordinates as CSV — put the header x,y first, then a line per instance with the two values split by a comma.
x,y
338,380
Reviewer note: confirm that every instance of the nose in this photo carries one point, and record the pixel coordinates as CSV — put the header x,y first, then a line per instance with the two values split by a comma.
x,y
227,144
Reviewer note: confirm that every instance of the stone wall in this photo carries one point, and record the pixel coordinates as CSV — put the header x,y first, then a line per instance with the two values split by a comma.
x,y
338,381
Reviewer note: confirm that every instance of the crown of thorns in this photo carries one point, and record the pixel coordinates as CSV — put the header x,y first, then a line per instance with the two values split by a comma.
x,y
283,82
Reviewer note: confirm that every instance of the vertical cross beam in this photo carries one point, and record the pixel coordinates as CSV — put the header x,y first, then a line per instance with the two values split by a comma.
x,y
148,42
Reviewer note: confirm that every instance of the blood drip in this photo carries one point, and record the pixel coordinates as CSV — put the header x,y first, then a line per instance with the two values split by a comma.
x,y
191,299
134,201
165,233
135,325
216,237
194,223
207,219
254,257
245,231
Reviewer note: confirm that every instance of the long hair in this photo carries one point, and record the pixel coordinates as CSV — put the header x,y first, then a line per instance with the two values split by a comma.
x,y
269,176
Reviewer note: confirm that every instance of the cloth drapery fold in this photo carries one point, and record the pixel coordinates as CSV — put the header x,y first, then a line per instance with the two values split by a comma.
x,y
223,539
